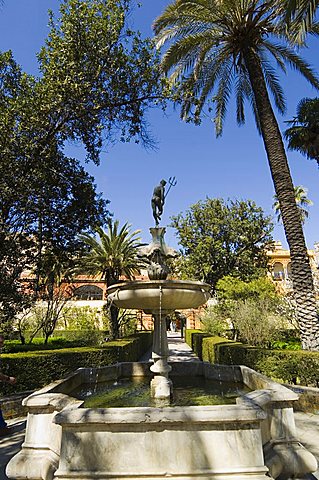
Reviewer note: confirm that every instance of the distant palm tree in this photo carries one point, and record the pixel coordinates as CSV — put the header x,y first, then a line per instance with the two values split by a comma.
x,y
112,255
303,136
217,45
302,203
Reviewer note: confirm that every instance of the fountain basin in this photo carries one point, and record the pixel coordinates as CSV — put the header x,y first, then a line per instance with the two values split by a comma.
x,y
155,295
246,441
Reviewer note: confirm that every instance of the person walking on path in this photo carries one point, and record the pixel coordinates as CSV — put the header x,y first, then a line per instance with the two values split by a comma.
x,y
4,429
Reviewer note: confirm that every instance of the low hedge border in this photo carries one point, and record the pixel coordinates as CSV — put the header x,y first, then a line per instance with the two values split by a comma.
x,y
33,370
56,343
296,367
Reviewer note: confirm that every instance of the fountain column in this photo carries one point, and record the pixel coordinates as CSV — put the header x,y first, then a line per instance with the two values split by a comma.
x,y
156,255
161,385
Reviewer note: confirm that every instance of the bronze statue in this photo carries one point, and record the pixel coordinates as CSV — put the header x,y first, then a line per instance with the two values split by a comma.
x,y
158,200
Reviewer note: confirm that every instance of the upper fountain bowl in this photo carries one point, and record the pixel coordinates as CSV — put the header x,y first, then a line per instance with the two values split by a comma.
x,y
155,295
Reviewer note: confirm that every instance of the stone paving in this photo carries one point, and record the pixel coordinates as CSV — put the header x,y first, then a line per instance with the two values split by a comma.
x,y
307,423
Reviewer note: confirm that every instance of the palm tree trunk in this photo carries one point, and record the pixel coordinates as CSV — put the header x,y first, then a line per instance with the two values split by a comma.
x,y
277,159
114,330
114,323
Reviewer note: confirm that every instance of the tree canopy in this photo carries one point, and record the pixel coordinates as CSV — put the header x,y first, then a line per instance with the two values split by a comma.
x,y
221,238
303,133
97,79
110,256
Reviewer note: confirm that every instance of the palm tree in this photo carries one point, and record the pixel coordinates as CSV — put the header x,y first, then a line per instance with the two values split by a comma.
x,y
112,255
303,136
215,45
302,203
300,16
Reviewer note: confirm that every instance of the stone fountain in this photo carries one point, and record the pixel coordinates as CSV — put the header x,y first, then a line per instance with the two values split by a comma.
x,y
254,439
159,297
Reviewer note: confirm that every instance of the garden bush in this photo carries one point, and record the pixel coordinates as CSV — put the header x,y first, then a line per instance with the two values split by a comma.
x,y
212,322
287,366
54,343
36,369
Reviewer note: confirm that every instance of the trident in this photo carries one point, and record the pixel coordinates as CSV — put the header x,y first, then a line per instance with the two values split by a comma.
x,y
172,182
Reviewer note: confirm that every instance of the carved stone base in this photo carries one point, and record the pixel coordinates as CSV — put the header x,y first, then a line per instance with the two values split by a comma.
x,y
161,388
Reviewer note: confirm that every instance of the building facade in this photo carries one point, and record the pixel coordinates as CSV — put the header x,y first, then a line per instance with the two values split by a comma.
x,y
279,262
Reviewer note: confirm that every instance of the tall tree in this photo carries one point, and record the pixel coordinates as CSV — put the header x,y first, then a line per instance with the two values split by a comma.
x,y
97,79
303,135
221,238
45,202
215,45
110,256
302,202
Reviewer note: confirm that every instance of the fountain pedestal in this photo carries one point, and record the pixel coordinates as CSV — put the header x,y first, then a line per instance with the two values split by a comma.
x,y
161,385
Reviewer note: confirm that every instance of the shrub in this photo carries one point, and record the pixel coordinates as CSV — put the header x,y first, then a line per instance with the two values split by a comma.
x,y
231,288
36,369
213,322
256,322
288,366
209,348
80,318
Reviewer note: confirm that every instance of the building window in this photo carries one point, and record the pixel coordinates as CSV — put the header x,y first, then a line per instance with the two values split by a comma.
x,y
88,292
278,271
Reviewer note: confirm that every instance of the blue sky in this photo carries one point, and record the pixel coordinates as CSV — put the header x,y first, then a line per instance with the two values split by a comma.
x,y
234,166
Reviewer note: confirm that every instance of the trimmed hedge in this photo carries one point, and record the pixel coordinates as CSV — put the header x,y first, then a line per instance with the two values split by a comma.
x,y
194,339
15,346
288,366
33,370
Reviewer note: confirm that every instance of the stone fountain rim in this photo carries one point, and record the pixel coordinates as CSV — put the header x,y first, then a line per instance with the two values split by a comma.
x,y
147,284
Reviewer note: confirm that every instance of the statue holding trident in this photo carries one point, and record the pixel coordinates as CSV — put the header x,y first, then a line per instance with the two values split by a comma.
x,y
158,198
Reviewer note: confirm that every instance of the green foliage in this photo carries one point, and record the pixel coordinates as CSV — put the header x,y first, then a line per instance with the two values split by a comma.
x,y
14,346
295,367
232,288
189,334
289,366
112,255
194,339
303,134
46,199
80,318
209,46
98,74
256,322
219,47
212,322
36,369
208,348
221,238
299,16
253,309
83,337
286,345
